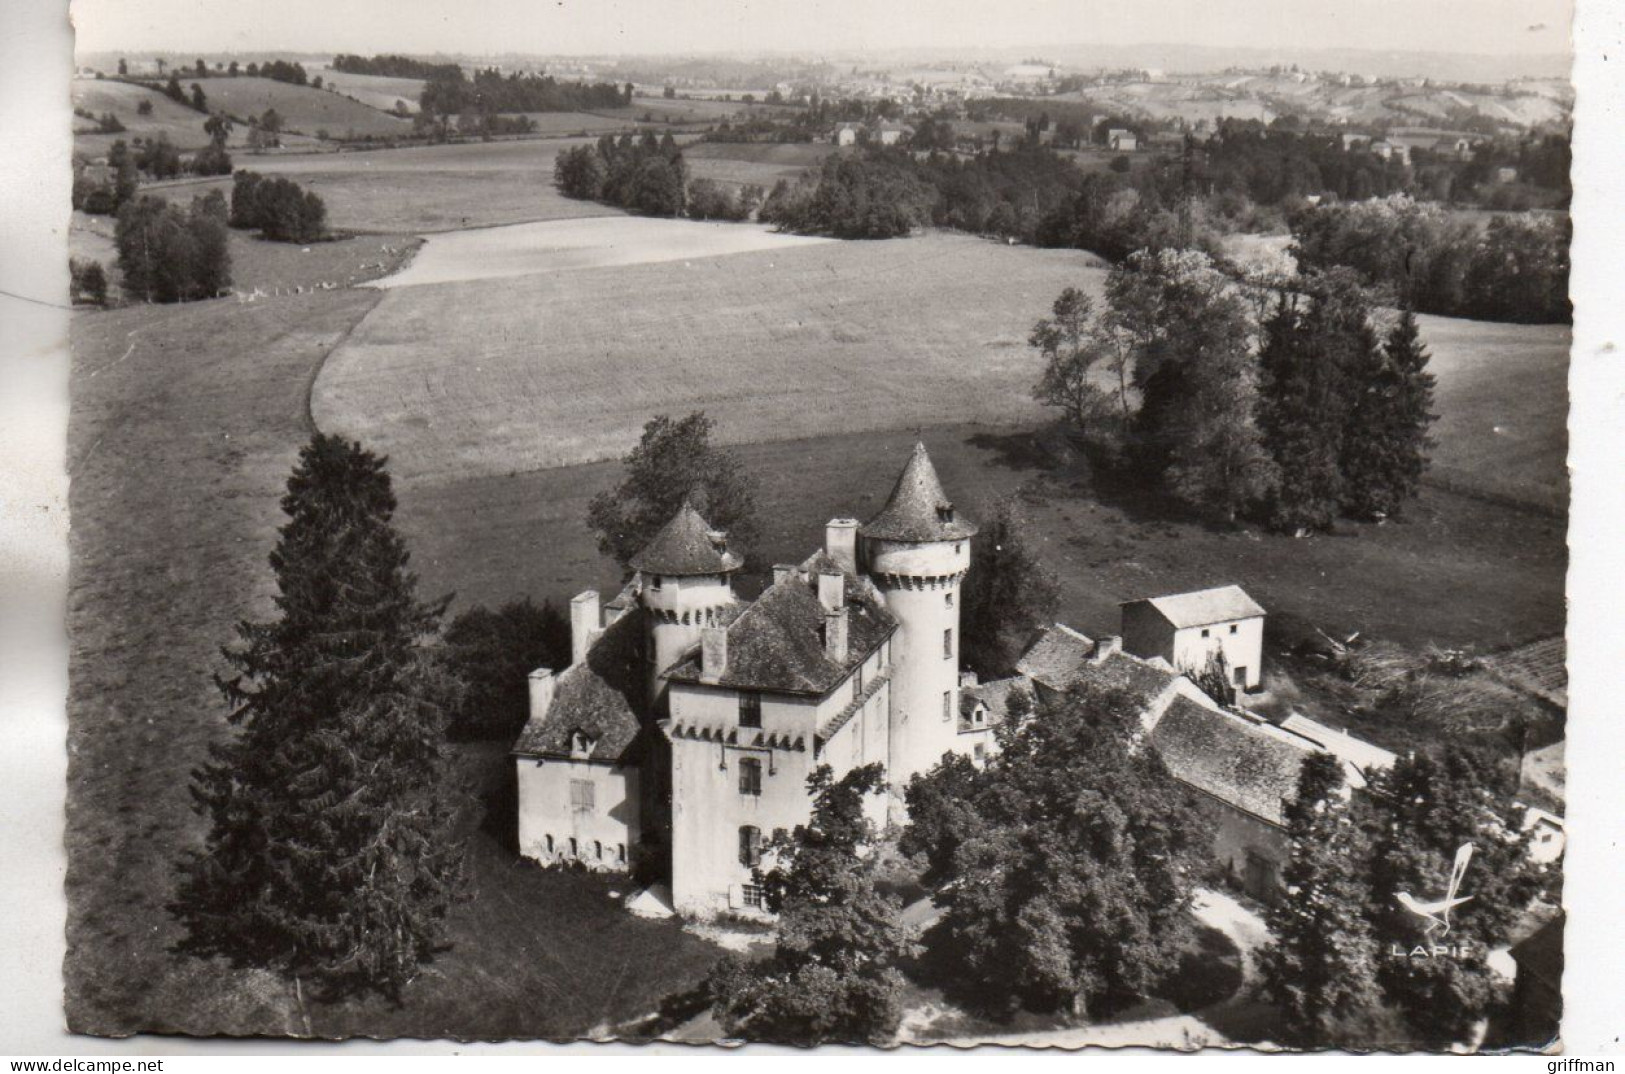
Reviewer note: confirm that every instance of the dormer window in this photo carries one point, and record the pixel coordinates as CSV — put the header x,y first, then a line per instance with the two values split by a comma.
x,y
581,743
945,512
654,582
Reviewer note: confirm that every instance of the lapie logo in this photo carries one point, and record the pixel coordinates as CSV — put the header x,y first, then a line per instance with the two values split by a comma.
x,y
1437,914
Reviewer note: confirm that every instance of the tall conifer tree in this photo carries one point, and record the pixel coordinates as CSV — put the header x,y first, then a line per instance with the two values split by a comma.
x,y
329,855
1386,441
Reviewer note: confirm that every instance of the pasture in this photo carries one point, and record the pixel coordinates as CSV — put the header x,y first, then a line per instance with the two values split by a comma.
x,y
303,110
374,91
572,245
432,188
737,164
518,373
180,123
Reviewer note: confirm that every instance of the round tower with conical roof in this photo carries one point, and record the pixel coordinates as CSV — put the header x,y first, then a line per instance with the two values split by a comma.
x,y
917,550
684,583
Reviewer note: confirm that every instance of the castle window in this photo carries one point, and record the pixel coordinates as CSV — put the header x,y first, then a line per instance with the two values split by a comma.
x,y
581,799
750,710
947,704
753,895
750,846
948,598
750,776
857,681
1234,628
598,849
948,644
654,582
1206,633
574,851
580,743
620,853
550,844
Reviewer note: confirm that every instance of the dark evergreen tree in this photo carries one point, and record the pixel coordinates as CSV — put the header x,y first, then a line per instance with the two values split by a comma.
x,y
1429,806
330,856
832,977
1320,970
1312,345
674,460
1386,441
492,653
1008,595
1074,867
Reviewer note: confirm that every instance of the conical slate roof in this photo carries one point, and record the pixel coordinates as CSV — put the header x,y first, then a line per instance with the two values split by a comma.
x,y
918,509
687,545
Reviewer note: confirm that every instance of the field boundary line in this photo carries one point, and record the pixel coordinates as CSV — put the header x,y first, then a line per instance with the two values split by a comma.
x,y
308,418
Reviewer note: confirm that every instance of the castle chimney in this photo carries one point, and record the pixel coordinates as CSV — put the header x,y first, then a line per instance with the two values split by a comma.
x,y
542,682
831,589
841,543
967,679
1105,647
713,653
835,632
585,623
782,572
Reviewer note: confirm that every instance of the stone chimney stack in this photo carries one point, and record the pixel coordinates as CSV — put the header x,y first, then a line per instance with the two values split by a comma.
x,y
967,679
585,624
841,543
713,653
831,589
542,683
835,634
1105,648
782,571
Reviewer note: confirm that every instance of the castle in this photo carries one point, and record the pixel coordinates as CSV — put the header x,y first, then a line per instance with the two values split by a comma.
x,y
681,736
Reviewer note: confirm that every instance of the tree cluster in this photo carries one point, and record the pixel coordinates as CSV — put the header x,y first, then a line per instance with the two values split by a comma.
x,y
832,976
492,653
169,254
644,174
392,66
281,209
1067,864
450,92
1515,268
876,196
673,461
280,71
1295,418
87,282
1008,595
1344,954
330,855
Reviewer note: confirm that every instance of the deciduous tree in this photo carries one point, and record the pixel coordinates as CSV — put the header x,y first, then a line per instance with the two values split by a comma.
x,y
492,653
674,459
1008,595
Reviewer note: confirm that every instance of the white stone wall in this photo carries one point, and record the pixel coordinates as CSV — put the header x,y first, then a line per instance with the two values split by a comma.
x,y
1241,641
606,835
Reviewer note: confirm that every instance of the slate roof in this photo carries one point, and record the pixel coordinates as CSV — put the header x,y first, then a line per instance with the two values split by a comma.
x,y
601,697
1251,766
1205,606
1062,658
687,545
776,643
918,509
995,695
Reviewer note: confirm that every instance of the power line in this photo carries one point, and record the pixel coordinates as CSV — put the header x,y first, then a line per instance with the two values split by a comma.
x,y
35,301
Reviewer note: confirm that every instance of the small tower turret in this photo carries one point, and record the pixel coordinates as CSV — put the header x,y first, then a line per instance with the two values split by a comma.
x,y
917,550
684,580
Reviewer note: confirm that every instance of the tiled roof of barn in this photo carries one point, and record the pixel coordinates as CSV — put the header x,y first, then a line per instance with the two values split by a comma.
x,y
777,642
918,509
1062,658
1250,766
687,545
1205,606
601,697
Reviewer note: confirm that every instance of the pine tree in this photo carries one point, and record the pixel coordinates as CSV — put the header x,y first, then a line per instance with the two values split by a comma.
x,y
329,856
1386,441
1008,595
1306,357
833,973
1321,968
1427,807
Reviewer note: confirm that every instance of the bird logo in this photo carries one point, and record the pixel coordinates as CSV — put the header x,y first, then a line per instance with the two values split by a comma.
x,y
1438,913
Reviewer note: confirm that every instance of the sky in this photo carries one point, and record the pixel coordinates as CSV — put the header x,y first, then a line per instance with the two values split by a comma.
x,y
810,27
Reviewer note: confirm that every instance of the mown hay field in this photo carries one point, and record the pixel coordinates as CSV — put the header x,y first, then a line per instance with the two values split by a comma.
x,y
551,369
302,108
375,91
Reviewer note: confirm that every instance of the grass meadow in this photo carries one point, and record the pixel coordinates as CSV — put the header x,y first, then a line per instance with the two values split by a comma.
x,y
303,109
375,91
